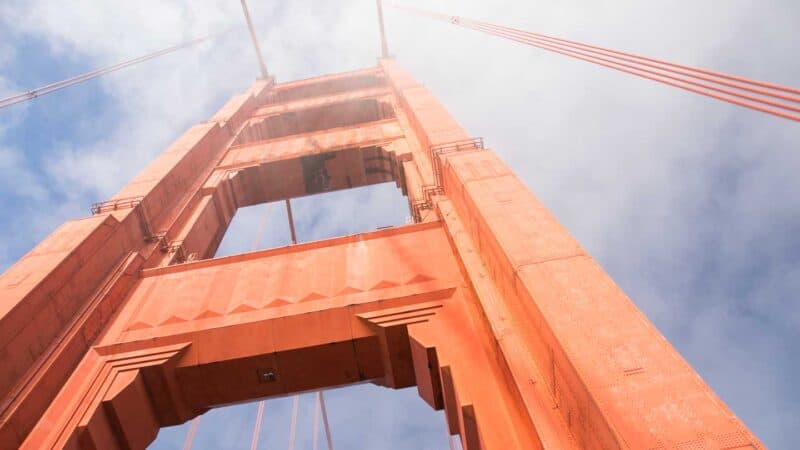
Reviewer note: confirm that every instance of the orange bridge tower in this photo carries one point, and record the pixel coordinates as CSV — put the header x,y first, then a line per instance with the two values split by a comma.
x,y
124,322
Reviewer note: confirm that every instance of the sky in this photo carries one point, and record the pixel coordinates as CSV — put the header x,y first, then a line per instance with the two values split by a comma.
x,y
690,204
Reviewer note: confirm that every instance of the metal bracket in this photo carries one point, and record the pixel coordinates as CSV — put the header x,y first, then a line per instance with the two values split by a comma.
x,y
173,247
435,152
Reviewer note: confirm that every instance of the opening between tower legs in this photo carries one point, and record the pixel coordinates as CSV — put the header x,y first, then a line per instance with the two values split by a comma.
x,y
335,115
316,217
331,194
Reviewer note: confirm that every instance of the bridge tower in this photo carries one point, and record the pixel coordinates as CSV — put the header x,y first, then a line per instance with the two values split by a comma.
x,y
124,322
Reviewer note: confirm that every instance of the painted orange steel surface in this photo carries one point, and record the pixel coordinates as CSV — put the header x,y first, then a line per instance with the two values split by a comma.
x,y
123,322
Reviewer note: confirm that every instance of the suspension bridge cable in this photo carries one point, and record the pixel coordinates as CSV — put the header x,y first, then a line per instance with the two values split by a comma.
x,y
293,425
456,19
569,51
257,428
187,444
713,84
326,425
749,85
260,231
52,87
682,83
315,426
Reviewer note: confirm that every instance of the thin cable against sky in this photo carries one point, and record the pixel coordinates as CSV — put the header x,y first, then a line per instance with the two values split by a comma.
x,y
58,85
769,98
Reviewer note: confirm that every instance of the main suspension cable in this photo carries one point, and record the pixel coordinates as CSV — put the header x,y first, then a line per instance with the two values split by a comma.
x,y
679,82
52,87
528,38
769,99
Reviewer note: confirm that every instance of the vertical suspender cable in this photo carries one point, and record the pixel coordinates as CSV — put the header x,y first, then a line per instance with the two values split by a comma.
x,y
315,429
291,220
264,74
257,428
325,423
293,425
256,243
187,444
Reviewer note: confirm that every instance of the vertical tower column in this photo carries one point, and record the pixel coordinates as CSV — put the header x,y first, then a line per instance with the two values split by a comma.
x,y
58,298
588,366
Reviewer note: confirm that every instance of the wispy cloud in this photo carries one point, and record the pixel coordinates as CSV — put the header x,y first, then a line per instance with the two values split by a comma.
x,y
690,204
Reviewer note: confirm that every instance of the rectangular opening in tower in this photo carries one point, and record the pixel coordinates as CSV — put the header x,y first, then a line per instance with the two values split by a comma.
x,y
311,88
316,217
398,419
335,115
314,174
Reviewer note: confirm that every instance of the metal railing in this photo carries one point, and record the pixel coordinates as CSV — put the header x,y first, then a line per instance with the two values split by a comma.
x,y
115,205
127,203
435,152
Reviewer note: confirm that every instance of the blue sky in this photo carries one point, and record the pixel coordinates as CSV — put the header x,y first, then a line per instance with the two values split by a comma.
x,y
690,204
